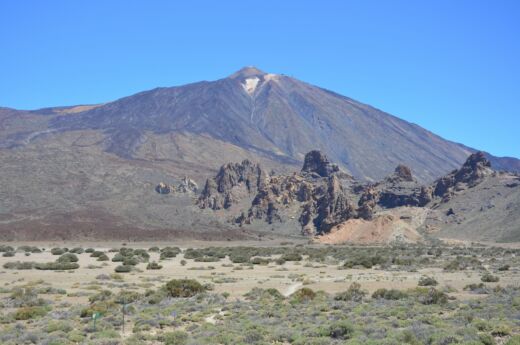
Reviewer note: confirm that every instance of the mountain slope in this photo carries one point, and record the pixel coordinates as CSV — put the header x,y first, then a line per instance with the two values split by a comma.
x,y
275,116
90,171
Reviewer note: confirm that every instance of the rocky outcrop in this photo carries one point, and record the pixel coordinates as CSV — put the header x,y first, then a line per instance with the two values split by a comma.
x,y
218,191
403,173
472,172
322,198
316,163
331,209
186,185
163,188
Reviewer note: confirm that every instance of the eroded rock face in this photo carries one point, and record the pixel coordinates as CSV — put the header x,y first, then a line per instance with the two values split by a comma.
x,y
317,163
218,191
321,197
472,172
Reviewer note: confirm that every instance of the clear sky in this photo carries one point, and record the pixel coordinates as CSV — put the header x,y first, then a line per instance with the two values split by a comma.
x,y
449,66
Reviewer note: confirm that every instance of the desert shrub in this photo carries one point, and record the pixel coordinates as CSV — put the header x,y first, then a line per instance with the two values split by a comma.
x,y
175,338
504,267
96,254
4,248
303,295
89,250
258,293
427,281
291,257
259,261
103,257
476,288
124,297
462,263
364,260
130,261
8,254
183,287
29,249
431,296
154,249
103,295
391,294
183,262
77,250
489,278
123,269
27,313
207,259
153,266
67,257
238,258
118,258
18,265
57,266
169,252
341,330
58,251
353,293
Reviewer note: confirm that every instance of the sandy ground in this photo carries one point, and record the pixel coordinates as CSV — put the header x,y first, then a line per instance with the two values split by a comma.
x,y
227,278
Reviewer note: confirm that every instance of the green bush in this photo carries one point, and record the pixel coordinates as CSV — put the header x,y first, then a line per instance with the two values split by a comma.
x,y
8,254
57,266
18,265
341,330
123,269
183,287
96,254
26,313
427,281
58,251
489,278
103,257
303,295
431,296
67,257
76,250
353,293
118,258
391,294
291,257
153,266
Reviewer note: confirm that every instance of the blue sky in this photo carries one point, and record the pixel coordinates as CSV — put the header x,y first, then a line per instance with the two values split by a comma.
x,y
449,66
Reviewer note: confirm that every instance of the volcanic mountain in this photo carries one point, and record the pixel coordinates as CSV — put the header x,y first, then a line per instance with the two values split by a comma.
x,y
92,170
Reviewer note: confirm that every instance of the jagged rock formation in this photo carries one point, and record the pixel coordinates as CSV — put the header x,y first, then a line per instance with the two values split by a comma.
x,y
218,192
324,198
317,163
331,209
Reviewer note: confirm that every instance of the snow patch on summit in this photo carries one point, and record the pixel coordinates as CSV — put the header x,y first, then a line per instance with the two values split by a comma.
x,y
250,85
